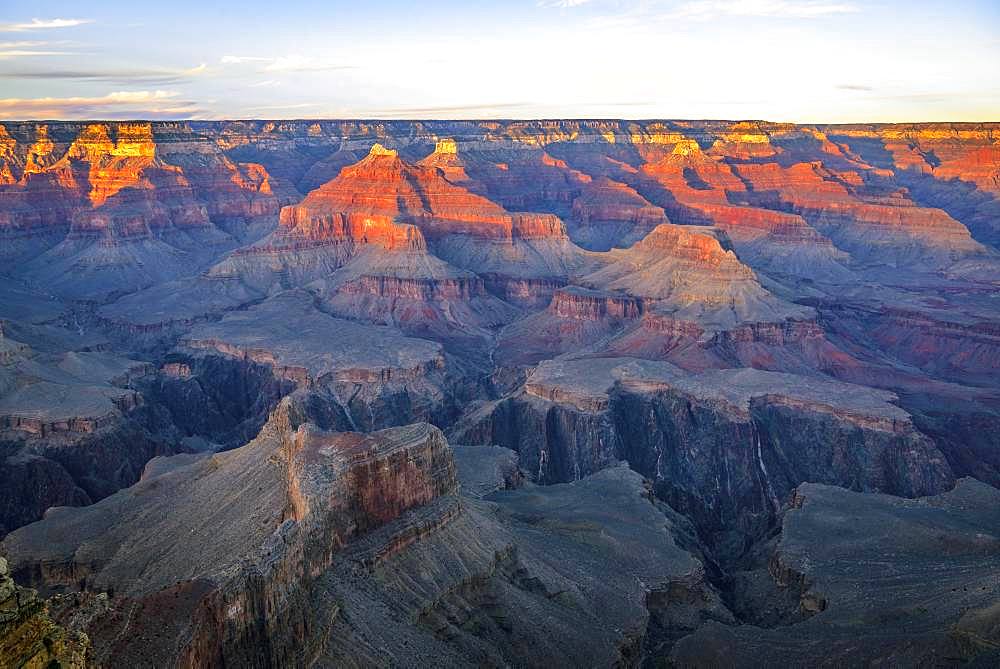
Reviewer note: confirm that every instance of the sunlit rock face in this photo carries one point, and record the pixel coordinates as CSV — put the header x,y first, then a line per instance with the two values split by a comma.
x,y
609,213
878,227
124,203
668,356
951,166
383,187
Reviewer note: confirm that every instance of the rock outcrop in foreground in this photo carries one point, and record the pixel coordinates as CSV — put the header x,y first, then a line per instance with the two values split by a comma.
x,y
28,637
345,548
271,514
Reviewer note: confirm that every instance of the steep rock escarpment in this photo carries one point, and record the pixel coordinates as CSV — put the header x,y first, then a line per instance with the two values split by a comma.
x,y
430,275
725,447
353,549
936,597
378,376
239,586
879,227
955,167
73,429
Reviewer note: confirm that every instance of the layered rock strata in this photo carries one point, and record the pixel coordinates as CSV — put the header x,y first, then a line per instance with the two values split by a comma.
x,y
245,595
315,561
726,447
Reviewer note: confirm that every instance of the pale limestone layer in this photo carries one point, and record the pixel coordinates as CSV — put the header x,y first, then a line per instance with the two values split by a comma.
x,y
287,331
586,383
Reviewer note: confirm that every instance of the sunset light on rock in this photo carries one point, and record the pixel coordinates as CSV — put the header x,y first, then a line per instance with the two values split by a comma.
x,y
545,333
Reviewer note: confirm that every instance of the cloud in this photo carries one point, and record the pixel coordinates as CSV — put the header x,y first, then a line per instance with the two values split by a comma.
x,y
855,87
706,10
660,11
117,104
265,83
453,111
24,48
297,63
21,53
155,77
139,96
22,44
42,24
299,105
289,63
237,60
561,4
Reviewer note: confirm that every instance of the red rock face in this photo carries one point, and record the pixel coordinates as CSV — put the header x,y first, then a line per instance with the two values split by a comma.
x,y
575,318
607,200
448,308
693,177
838,204
527,179
677,288
445,158
384,184
124,166
579,304
609,213
964,152
701,188
323,225
368,199
979,165
119,206
381,478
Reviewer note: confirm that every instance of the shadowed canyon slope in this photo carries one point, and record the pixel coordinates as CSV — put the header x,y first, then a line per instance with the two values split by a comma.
x,y
499,393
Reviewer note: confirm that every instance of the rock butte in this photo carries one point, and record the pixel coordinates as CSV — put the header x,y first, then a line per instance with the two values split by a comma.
x,y
499,393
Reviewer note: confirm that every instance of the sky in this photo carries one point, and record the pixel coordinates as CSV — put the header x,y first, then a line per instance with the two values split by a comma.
x,y
807,61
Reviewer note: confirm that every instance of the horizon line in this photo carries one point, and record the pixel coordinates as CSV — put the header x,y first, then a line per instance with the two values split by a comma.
x,y
586,119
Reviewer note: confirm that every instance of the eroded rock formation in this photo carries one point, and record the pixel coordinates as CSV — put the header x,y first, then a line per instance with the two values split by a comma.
x,y
228,351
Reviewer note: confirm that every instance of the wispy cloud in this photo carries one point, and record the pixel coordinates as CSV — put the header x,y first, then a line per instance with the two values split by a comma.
x,y
706,10
153,77
855,87
28,48
288,63
42,24
695,11
562,4
297,63
238,60
23,44
117,104
23,53
299,105
450,111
